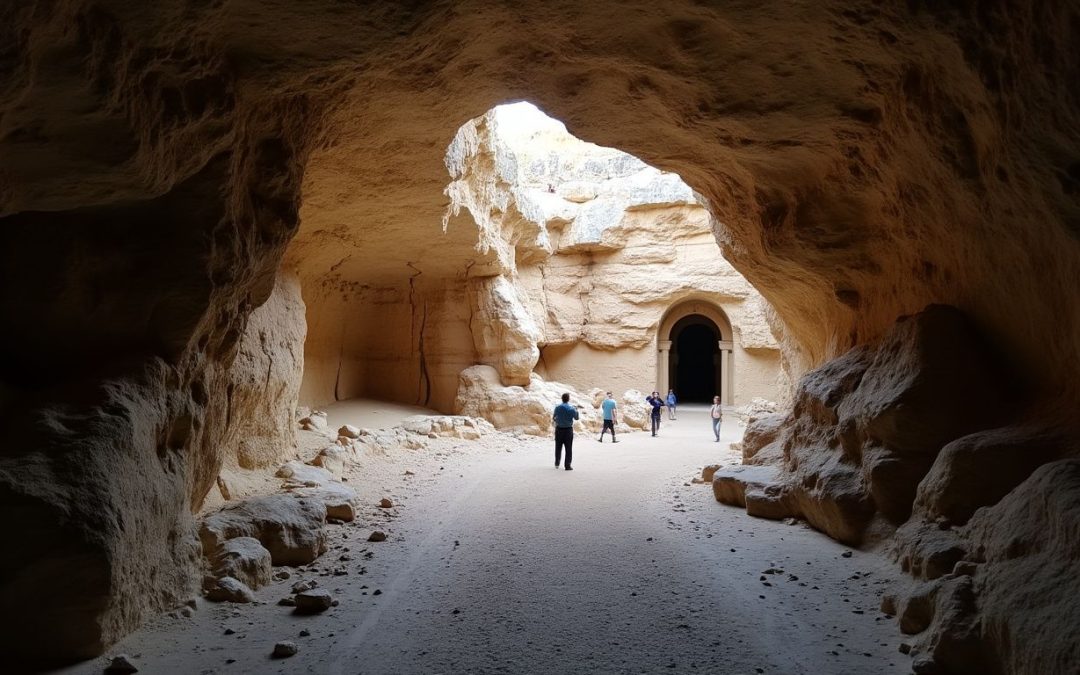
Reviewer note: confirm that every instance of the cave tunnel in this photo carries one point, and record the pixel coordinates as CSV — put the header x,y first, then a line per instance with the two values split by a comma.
x,y
897,180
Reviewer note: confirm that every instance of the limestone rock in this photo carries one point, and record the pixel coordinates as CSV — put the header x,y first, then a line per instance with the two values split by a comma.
x,y
285,649
332,459
377,536
760,443
244,559
349,431
121,664
709,472
981,468
290,527
339,501
865,428
316,421
265,380
297,474
525,409
227,589
447,426
313,601
731,484
504,332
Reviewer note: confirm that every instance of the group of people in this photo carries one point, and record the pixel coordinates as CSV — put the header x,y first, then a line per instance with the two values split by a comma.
x,y
566,414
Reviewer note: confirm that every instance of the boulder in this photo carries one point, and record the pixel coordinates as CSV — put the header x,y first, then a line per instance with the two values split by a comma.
x,y
981,468
338,500
731,484
227,589
245,560
763,432
708,472
290,527
513,408
297,474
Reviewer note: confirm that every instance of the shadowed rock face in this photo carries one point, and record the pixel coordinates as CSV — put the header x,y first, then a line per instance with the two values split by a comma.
x,y
154,164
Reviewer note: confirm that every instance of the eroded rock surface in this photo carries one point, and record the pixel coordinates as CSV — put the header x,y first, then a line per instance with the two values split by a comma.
x,y
154,164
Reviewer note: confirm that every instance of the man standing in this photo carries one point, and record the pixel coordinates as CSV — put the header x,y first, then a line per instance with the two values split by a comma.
x,y
564,417
671,401
610,417
657,403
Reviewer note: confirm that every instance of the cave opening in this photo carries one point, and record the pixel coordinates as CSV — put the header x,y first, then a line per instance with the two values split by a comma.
x,y
557,261
695,359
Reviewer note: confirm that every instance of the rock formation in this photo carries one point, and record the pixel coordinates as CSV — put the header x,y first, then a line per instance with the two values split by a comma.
x,y
860,162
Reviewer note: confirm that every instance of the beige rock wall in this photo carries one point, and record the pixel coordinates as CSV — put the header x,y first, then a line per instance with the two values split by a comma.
x,y
862,160
396,344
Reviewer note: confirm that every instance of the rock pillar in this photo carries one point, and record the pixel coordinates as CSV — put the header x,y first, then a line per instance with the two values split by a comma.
x,y
726,395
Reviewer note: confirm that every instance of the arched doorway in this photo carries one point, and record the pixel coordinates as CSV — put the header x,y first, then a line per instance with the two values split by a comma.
x,y
694,353
694,366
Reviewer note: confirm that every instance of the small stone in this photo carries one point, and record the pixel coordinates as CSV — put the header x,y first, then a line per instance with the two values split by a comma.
x,y
287,602
282,575
905,648
377,535
121,663
305,633
409,473
377,592
186,612
925,666
304,585
313,601
845,554
284,650
385,503
230,631
349,431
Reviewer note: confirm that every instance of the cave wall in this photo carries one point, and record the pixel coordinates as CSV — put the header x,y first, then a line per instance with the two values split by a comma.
x,y
861,161
391,343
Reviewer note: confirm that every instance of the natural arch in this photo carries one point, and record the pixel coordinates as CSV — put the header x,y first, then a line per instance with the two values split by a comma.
x,y
157,165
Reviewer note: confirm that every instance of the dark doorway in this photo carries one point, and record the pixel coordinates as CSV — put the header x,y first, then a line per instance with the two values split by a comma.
x,y
696,351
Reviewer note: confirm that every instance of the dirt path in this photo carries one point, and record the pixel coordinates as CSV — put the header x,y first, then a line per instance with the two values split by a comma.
x,y
499,563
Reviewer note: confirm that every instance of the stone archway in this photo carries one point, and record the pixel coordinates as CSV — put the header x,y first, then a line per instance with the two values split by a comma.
x,y
682,330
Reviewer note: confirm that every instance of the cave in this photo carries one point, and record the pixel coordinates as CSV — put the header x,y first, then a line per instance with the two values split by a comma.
x,y
696,360
219,213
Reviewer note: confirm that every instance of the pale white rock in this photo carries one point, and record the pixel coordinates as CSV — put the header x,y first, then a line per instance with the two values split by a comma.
x,y
349,431
299,474
332,459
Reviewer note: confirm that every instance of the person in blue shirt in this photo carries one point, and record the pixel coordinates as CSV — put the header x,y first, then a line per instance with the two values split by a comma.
x,y
564,417
671,401
657,403
610,417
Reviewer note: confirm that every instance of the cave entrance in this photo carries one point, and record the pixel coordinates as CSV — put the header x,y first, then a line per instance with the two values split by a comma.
x,y
694,349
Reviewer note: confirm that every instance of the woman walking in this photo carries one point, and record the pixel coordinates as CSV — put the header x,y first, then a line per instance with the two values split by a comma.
x,y
716,412
671,401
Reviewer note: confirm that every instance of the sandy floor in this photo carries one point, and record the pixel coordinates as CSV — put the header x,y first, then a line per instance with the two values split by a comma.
x,y
499,563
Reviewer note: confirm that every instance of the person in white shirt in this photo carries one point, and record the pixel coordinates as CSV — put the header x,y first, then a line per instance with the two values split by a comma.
x,y
716,412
